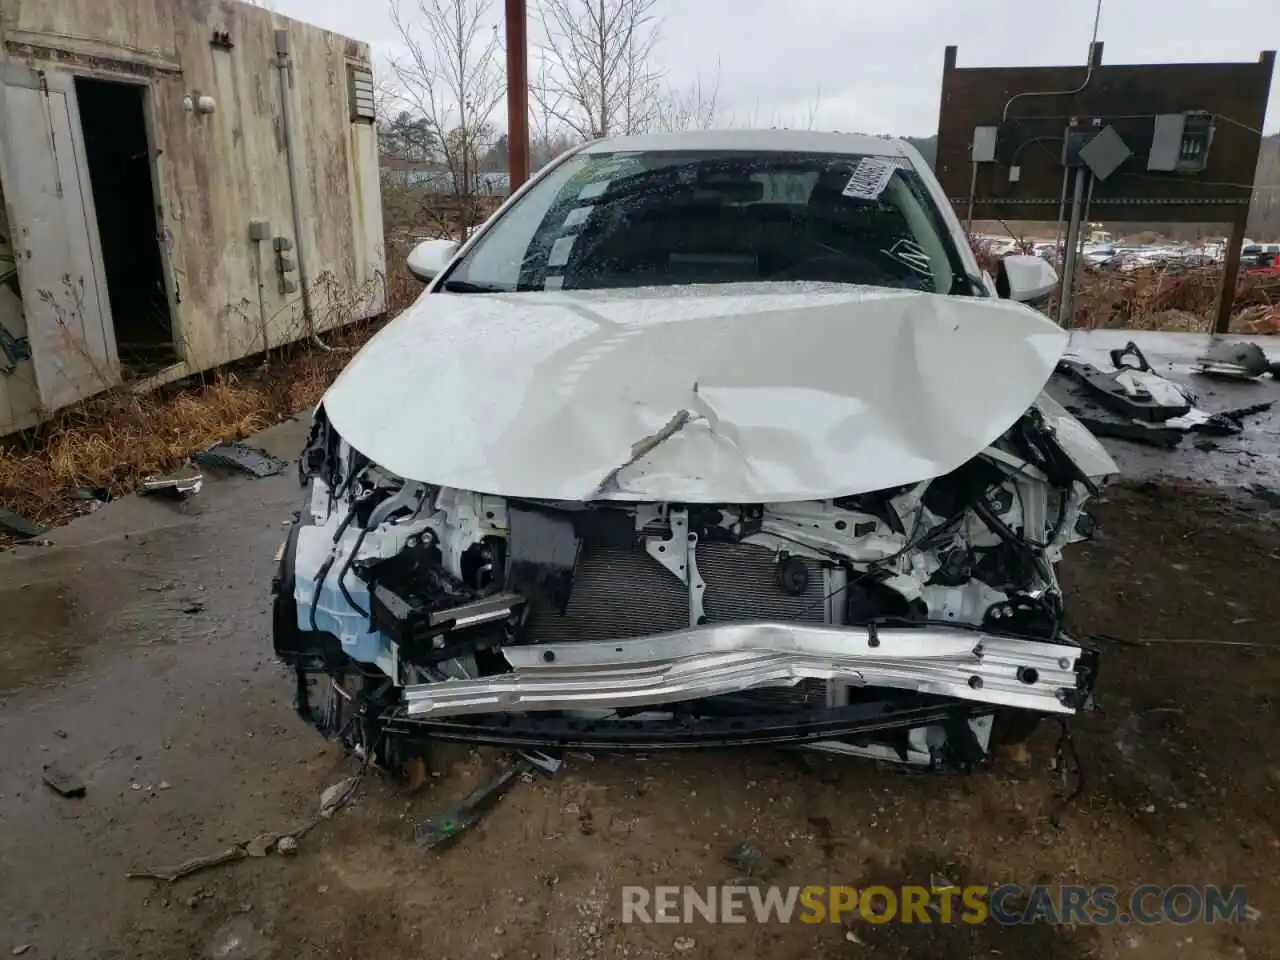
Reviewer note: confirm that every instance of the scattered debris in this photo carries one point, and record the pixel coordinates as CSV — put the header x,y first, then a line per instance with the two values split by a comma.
x,y
16,525
240,456
940,883
1238,360
285,843
236,938
1130,351
88,499
444,828
188,867
544,763
163,785
1129,391
176,489
335,796
745,857
63,783
101,494
194,607
1135,403
684,944
20,949
261,845
60,734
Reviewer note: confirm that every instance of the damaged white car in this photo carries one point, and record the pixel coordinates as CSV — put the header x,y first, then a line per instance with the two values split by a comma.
x,y
702,439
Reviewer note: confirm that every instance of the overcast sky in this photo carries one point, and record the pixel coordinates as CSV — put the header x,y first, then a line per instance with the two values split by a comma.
x,y
875,66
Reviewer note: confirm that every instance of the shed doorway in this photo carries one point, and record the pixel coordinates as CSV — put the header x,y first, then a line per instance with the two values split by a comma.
x,y
117,149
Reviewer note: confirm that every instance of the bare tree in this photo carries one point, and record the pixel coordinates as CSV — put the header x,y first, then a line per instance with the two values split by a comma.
x,y
803,118
597,76
693,108
452,79
548,135
1264,216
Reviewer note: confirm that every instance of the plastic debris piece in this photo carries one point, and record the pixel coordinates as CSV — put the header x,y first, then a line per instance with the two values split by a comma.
x,y
334,796
262,844
746,857
63,783
242,457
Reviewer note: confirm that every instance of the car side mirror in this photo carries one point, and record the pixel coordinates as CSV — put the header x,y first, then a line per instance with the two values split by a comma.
x,y
1023,278
428,259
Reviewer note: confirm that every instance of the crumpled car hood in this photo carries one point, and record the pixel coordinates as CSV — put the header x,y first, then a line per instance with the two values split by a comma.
x,y
713,394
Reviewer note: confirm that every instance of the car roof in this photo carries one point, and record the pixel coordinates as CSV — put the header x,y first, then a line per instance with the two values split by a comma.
x,y
782,141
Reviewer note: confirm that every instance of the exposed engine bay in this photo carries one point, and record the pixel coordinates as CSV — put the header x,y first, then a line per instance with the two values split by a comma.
x,y
919,624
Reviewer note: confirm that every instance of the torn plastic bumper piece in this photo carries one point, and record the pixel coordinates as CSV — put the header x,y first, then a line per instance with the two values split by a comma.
x,y
1105,389
727,658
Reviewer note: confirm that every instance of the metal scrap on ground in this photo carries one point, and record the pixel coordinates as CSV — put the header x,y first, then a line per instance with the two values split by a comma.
x,y
445,827
178,489
242,457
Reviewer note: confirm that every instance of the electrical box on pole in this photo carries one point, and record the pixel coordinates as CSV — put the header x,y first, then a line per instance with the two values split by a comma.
x,y
1161,143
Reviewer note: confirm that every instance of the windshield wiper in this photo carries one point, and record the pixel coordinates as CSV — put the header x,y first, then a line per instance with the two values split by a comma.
x,y
466,286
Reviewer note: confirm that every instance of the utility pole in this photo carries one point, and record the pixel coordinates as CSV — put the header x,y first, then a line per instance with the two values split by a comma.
x,y
517,92
1071,252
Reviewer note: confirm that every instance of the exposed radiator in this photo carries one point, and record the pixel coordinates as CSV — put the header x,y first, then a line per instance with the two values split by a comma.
x,y
625,593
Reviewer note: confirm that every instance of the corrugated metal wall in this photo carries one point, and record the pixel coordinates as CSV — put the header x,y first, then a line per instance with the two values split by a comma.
x,y
218,172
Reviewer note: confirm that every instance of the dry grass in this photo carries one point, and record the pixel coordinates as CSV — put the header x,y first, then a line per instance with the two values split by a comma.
x,y
1152,299
114,441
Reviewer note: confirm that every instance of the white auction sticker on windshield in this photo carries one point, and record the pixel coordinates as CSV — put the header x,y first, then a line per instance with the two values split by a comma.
x,y
870,178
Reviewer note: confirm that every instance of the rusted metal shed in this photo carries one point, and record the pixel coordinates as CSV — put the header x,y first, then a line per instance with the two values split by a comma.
x,y
185,183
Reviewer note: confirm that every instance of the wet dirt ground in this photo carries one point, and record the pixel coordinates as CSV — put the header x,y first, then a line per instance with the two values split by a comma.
x,y
134,652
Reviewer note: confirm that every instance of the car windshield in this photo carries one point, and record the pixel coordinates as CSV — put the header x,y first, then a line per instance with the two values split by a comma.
x,y
663,218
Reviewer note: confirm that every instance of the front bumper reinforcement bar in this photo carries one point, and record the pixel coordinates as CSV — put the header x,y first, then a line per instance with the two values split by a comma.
x,y
681,731
733,657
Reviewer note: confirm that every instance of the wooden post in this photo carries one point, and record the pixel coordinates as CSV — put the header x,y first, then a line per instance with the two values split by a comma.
x,y
1230,273
517,93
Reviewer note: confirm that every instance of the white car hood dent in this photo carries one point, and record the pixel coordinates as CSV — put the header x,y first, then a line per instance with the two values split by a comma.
x,y
714,394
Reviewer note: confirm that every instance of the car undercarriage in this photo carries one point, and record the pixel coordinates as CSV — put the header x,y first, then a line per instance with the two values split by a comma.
x,y
921,624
